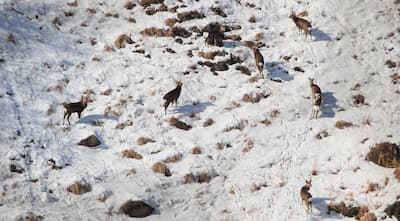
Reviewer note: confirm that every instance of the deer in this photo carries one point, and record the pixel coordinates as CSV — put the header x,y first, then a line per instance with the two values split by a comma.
x,y
76,107
172,96
306,195
316,98
302,24
259,60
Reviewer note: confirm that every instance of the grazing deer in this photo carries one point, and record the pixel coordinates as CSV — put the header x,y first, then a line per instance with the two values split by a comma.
x,y
259,60
302,24
316,98
306,195
172,96
77,107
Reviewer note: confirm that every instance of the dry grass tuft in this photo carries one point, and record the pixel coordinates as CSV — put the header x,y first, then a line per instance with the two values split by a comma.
x,y
322,134
358,100
372,187
218,11
259,37
188,178
131,154
390,64
249,144
144,140
170,22
343,124
173,159
252,19
121,40
395,78
161,168
129,5
73,3
245,70
208,122
190,15
266,122
91,11
274,113
147,3
79,188
196,150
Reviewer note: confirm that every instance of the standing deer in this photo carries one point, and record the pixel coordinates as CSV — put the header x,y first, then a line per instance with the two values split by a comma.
x,y
302,24
172,96
316,98
306,195
77,107
259,60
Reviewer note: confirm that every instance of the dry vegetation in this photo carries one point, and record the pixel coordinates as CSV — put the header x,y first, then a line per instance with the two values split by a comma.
x,y
190,15
196,150
131,154
121,40
144,140
161,168
79,188
173,159
343,124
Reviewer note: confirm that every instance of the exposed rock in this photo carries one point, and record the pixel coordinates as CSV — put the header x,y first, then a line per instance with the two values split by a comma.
x,y
137,209
393,210
91,141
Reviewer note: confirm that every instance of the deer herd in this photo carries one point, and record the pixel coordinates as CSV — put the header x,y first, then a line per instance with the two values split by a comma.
x,y
173,95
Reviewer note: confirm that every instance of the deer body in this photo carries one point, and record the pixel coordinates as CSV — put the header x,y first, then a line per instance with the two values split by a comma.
x,y
76,107
306,195
172,96
301,24
259,61
316,98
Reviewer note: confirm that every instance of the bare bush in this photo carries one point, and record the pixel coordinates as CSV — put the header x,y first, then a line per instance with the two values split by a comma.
x,y
190,15
73,3
170,22
196,150
173,159
144,140
252,19
161,168
208,122
79,188
218,11
131,154
129,5
121,40
343,124
147,3
358,100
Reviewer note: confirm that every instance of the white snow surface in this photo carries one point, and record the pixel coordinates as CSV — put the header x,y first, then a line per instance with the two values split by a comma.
x,y
50,64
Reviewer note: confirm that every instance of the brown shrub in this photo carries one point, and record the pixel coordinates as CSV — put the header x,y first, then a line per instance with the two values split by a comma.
x,y
129,5
56,22
266,122
368,217
349,211
259,37
109,14
396,173
372,187
79,188
144,140
68,14
203,178
161,168
131,20
180,32
274,113
343,124
212,54
179,124
147,3
131,154
218,11
121,40
252,19
188,178
314,172
173,159
322,134
189,15
391,64
150,11
91,10
358,100
137,209
395,78
170,22
73,3
30,217
196,150
208,122
249,144
254,98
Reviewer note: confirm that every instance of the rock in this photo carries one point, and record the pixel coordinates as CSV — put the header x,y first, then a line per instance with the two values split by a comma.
x,y
136,209
91,141
385,154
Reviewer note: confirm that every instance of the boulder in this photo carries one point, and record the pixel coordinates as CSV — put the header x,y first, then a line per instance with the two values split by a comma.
x,y
137,209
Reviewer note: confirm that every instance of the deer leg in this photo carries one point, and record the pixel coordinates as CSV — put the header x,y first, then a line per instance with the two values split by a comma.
x,y
65,114
176,103
166,106
79,115
69,115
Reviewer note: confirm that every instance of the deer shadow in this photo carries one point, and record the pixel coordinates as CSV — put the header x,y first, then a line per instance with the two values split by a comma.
x,y
231,44
320,35
189,109
328,105
93,118
320,204
277,71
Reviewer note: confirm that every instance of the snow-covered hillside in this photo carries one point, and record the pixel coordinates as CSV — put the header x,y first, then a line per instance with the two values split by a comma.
x,y
249,161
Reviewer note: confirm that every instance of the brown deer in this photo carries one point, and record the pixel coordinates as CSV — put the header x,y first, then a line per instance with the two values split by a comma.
x,y
302,24
76,107
172,96
259,60
306,195
316,98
